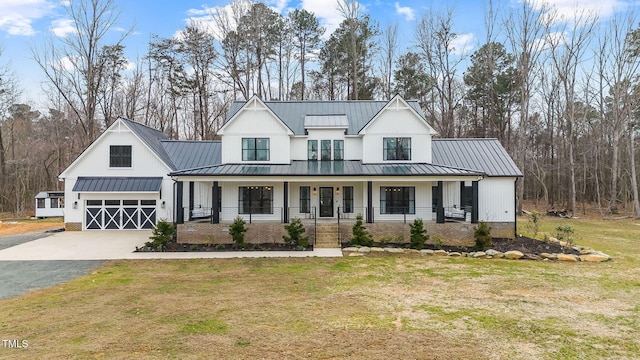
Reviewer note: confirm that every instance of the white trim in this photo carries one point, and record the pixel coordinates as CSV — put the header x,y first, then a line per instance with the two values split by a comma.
x,y
396,100
252,105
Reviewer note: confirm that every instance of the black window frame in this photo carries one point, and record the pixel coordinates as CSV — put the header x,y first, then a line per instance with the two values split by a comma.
x,y
253,148
396,148
397,200
257,201
338,151
40,203
312,150
325,150
347,199
305,199
120,156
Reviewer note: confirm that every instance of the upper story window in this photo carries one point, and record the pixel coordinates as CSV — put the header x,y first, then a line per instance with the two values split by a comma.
x,y
255,149
325,147
338,149
312,149
397,148
119,156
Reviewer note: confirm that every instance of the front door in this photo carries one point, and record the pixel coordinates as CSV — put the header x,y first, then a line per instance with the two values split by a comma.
x,y
326,202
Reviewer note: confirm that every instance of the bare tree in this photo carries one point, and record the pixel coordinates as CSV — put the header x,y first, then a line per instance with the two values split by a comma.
x,y
75,63
389,46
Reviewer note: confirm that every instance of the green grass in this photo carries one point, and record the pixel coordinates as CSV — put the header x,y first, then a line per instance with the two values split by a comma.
x,y
363,308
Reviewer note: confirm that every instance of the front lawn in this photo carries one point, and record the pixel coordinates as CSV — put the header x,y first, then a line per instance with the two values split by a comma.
x,y
387,306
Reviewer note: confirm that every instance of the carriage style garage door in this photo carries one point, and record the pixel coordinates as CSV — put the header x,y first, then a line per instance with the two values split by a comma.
x,y
120,214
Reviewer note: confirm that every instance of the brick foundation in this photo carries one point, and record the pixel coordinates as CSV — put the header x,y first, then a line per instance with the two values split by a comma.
x,y
258,233
73,226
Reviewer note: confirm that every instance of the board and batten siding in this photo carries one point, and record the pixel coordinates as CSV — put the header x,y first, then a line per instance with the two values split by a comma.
x,y
496,199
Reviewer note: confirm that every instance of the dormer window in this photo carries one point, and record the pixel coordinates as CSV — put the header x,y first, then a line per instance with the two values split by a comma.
x,y
325,146
312,149
120,156
255,149
397,148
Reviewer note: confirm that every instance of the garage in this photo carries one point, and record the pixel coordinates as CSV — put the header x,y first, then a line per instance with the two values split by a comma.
x,y
119,203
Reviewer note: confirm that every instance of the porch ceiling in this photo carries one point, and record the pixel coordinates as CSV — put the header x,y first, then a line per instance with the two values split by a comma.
x,y
328,168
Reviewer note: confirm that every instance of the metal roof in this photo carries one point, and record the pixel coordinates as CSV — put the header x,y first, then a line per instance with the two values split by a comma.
x,y
357,112
483,155
117,184
192,154
153,138
328,168
46,194
326,121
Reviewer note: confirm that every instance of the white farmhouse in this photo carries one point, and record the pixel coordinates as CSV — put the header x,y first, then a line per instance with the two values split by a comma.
x,y
322,161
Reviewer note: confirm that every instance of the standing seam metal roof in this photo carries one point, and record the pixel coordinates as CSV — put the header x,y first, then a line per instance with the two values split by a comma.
x,y
192,154
485,155
153,138
117,184
358,112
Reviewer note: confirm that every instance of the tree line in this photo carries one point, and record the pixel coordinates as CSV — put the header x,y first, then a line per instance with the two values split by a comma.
x,y
559,93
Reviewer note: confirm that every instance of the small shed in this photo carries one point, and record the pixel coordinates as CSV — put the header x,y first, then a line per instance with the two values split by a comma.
x,y
50,204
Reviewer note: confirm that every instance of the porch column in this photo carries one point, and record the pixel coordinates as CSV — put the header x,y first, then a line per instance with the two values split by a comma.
x,y
179,211
191,198
474,202
285,209
369,202
439,205
215,194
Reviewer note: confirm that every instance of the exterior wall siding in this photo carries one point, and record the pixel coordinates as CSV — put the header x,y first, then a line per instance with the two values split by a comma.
x,y
496,198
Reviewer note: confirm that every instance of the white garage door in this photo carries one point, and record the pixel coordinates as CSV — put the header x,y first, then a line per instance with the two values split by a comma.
x,y
120,214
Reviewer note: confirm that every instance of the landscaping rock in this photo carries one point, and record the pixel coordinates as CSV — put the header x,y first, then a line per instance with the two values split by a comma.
x,y
551,239
513,254
494,253
350,249
548,256
567,257
364,249
593,258
440,253
394,250
479,255
377,249
356,254
426,252
455,254
531,257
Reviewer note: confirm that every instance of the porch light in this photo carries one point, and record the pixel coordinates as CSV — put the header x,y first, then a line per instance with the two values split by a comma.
x,y
162,204
315,191
75,204
338,190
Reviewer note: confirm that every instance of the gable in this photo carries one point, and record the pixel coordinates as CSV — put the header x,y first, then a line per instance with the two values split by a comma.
x,y
256,118
94,160
397,116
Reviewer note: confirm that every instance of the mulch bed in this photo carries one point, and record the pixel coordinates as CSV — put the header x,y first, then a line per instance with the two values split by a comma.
x,y
175,247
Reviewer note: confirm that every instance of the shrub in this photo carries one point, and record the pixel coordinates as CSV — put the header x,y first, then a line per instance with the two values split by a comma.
x,y
237,230
482,235
419,234
534,222
565,233
163,232
360,235
296,231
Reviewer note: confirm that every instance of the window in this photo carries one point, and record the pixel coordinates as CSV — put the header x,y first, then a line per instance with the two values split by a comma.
x,y
326,149
54,203
305,199
255,200
347,199
255,149
312,149
338,149
466,197
397,200
397,149
120,156
434,198
40,203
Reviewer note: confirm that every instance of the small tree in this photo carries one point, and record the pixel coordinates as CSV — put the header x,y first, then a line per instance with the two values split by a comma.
x,y
534,222
360,235
296,230
237,230
482,235
565,233
162,233
419,234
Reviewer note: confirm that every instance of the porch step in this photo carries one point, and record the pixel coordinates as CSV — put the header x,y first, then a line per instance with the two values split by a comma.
x,y
327,236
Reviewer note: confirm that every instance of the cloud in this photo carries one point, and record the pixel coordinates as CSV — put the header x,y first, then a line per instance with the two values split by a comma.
x,y
569,10
405,11
209,18
62,27
326,12
461,44
17,16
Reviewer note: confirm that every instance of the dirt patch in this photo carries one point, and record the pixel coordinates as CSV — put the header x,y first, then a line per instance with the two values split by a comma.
x,y
527,245
26,226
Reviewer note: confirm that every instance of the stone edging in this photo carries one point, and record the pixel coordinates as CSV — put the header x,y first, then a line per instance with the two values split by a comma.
x,y
586,254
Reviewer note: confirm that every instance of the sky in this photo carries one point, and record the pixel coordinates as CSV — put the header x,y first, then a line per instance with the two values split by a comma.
x,y
26,24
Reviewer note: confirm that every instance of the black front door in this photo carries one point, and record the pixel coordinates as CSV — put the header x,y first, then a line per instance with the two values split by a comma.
x,y
326,202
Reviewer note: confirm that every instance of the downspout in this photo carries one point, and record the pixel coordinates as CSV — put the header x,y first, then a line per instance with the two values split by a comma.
x,y
515,208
